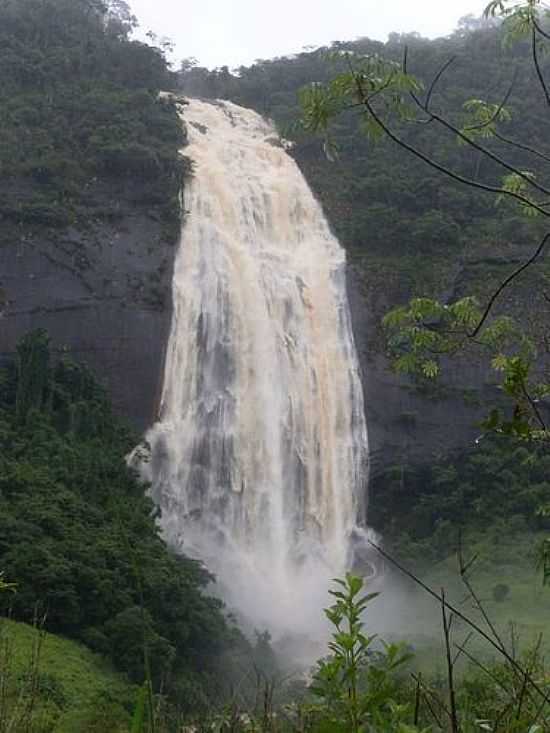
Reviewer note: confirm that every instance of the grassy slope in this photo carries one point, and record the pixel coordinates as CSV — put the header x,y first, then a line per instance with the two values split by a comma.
x,y
523,614
512,563
78,690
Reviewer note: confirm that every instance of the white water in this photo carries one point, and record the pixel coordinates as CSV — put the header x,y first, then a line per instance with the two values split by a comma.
x,y
259,457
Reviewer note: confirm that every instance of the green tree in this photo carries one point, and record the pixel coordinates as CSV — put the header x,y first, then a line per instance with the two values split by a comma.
x,y
79,535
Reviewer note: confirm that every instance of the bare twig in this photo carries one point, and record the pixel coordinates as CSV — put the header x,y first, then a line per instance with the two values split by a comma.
x,y
427,693
494,117
470,622
473,595
459,649
536,254
482,667
521,696
450,668
536,63
417,701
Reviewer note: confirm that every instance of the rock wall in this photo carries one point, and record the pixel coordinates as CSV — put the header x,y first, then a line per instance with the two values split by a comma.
x,y
102,292
409,425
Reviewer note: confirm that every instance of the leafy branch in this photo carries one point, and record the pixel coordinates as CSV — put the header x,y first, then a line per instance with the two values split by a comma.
x,y
388,98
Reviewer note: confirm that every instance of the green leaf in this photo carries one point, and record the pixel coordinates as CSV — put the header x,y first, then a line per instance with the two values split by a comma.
x,y
355,583
430,369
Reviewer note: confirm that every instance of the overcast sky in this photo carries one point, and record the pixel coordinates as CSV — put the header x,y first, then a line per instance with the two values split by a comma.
x,y
236,32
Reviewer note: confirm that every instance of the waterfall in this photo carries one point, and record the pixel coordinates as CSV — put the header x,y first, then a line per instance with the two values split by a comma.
x,y
259,456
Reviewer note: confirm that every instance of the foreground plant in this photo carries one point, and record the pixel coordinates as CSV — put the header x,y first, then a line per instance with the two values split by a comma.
x,y
356,682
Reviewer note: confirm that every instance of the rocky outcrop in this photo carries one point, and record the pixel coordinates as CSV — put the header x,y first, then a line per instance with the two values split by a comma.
x,y
102,291
408,424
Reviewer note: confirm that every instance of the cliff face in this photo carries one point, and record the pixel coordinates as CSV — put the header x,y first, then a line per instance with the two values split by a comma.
x,y
412,423
102,292
409,425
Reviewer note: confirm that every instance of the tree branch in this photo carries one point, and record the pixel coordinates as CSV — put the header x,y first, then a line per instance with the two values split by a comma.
x,y
507,282
472,624
443,169
482,667
469,141
488,153
463,569
521,146
435,80
533,405
537,65
426,692
542,32
494,117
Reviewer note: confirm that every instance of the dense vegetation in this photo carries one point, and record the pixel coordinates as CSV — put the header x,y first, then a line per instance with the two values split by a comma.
x,y
417,212
499,489
79,537
80,115
80,541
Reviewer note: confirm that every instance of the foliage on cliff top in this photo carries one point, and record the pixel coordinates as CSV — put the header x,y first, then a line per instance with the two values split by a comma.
x,y
79,109
79,537
414,212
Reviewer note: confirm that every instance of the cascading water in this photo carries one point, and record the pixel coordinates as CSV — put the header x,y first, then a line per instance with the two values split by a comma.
x,y
259,458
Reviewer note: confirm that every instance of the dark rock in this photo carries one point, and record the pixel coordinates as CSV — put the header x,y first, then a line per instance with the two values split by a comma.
x,y
407,425
103,293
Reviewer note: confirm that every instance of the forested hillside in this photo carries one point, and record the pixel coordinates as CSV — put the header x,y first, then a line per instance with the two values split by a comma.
x,y
381,202
79,536
79,107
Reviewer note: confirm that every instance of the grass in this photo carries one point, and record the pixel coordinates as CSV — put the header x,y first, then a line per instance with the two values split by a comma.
x,y
59,685
520,618
510,563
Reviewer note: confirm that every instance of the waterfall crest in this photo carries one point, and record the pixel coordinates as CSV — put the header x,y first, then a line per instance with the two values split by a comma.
x,y
259,457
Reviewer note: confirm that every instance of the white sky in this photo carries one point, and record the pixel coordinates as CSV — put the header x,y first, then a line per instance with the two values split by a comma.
x,y
236,32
